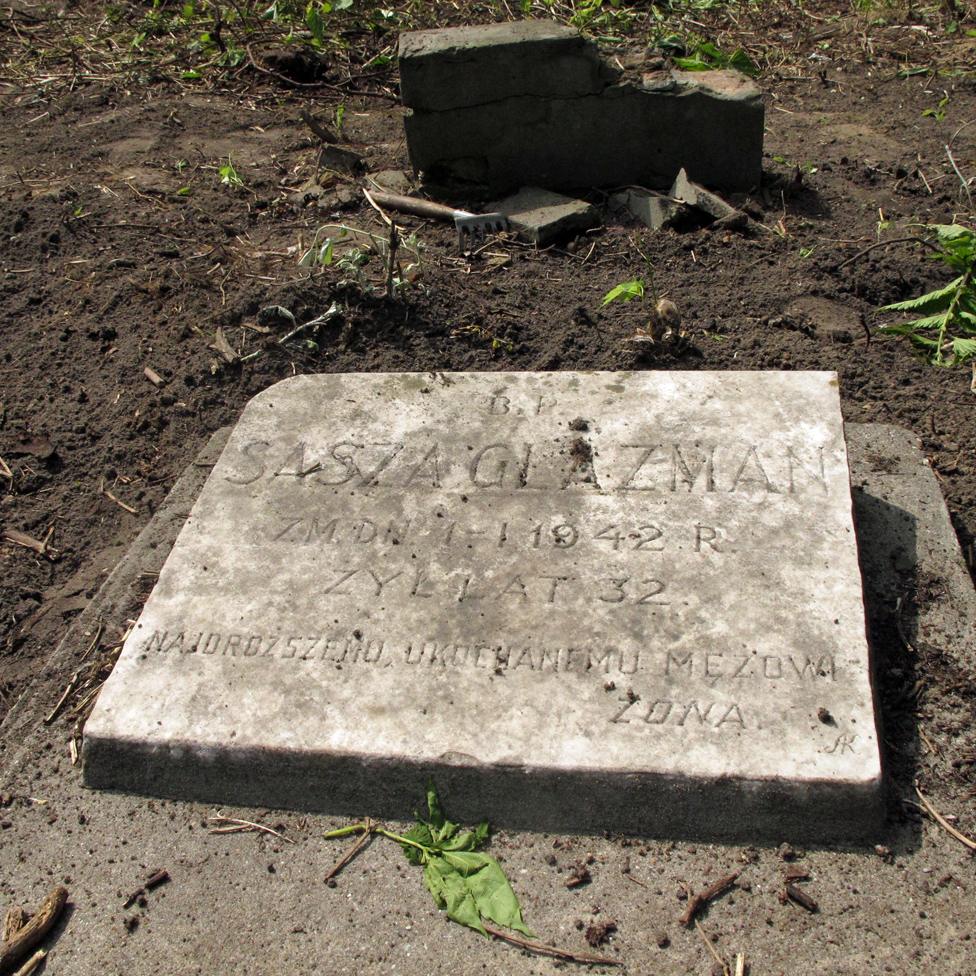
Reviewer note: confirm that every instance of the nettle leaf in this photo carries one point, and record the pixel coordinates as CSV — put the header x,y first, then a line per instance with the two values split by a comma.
x,y
626,291
935,301
917,325
963,349
484,878
466,883
419,833
452,894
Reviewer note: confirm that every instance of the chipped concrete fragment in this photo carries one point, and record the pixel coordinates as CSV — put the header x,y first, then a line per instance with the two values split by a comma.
x,y
698,197
496,61
543,217
489,107
654,210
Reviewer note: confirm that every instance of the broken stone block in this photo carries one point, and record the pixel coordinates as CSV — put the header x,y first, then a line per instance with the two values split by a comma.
x,y
543,217
698,197
653,210
595,129
496,61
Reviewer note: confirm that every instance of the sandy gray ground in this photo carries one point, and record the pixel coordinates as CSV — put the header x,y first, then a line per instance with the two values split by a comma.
x,y
249,903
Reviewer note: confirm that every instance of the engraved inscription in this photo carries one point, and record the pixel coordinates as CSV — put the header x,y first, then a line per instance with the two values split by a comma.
x,y
681,714
502,464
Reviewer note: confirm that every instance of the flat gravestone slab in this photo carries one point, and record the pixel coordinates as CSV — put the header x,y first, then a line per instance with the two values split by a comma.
x,y
580,601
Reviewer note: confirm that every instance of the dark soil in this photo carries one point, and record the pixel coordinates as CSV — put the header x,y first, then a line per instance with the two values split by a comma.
x,y
122,250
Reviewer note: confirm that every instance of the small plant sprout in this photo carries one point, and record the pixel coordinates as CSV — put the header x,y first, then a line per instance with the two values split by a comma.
x,y
945,330
228,175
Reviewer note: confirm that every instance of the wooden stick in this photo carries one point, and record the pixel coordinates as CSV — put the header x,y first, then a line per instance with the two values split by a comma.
x,y
943,823
28,542
231,825
548,950
697,902
801,898
32,963
13,950
5,470
352,852
14,921
712,950
102,490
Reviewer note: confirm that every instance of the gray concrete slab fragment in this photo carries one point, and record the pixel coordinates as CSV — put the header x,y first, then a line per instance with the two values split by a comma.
x,y
653,210
544,217
580,600
506,105
495,61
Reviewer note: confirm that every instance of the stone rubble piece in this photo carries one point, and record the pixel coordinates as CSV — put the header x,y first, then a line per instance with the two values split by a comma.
x,y
694,195
496,61
580,601
480,115
543,217
653,210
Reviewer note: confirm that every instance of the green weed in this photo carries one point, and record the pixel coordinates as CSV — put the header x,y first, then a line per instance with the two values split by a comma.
x,y
945,331
466,883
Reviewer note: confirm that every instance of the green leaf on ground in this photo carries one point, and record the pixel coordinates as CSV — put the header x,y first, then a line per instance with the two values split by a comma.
x,y
626,291
468,884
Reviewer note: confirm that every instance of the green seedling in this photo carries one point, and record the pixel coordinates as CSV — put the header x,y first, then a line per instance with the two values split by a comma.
x,y
467,884
945,331
939,112
626,291
228,175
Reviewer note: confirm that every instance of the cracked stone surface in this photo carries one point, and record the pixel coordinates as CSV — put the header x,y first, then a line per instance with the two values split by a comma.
x,y
532,103
592,601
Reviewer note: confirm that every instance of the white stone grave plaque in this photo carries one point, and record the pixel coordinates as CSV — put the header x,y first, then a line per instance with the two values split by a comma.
x,y
579,601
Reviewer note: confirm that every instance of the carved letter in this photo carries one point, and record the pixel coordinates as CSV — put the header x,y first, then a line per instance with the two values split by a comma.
x,y
689,477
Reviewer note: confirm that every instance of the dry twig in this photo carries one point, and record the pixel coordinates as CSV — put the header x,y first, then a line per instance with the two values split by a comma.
x,y
943,823
42,548
32,963
697,902
14,921
19,945
547,950
231,825
102,490
361,842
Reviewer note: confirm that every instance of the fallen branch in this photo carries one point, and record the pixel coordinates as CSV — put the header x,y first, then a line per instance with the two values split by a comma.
x,y
19,946
5,470
697,902
943,823
547,950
